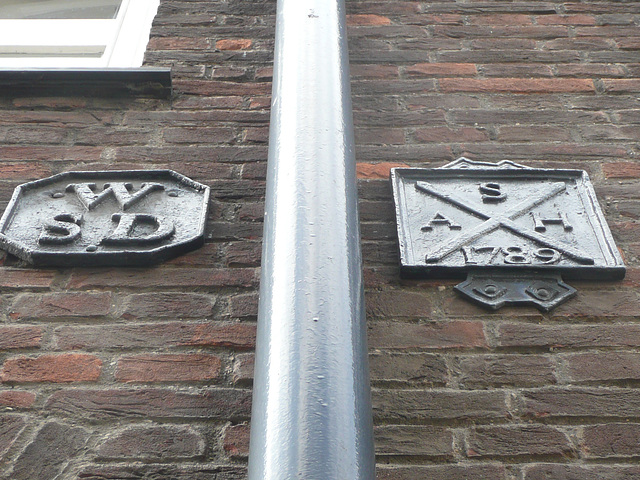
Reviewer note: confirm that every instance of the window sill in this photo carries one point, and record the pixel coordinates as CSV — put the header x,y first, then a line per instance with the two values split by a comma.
x,y
108,82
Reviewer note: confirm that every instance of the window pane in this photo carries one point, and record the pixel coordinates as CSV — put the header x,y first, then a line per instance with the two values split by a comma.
x,y
59,9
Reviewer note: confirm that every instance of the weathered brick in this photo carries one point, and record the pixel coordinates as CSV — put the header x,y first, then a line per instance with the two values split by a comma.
x,y
17,399
603,366
601,304
394,304
581,402
168,368
518,440
431,405
114,405
234,44
24,278
61,305
367,19
398,335
485,371
20,337
376,170
156,335
446,134
614,440
415,368
154,443
621,170
243,368
162,278
53,448
517,85
442,69
442,472
162,305
567,336
173,471
65,368
11,427
236,440
409,440
580,472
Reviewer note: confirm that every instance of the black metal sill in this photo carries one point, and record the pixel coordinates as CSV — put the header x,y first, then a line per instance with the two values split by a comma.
x,y
108,82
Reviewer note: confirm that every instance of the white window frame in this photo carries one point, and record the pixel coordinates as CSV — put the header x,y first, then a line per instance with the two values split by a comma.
x,y
79,43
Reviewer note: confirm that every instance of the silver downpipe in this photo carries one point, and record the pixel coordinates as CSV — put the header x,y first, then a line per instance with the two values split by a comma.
x,y
311,415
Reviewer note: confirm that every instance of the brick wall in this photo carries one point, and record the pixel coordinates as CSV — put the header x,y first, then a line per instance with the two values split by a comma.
x,y
145,373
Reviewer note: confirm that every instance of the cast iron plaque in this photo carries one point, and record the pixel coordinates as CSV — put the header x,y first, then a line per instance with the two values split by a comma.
x,y
115,218
506,219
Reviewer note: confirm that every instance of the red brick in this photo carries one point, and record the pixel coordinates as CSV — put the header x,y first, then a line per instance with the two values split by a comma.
x,y
65,368
24,278
17,399
621,170
615,440
234,44
178,43
399,335
23,170
168,368
367,20
20,337
442,69
236,440
374,71
61,305
566,20
154,443
517,85
518,440
157,335
375,171
198,135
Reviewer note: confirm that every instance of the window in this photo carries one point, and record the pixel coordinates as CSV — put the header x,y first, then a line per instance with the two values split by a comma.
x,y
74,33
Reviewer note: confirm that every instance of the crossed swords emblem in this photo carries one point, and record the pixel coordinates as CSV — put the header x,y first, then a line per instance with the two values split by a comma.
x,y
505,220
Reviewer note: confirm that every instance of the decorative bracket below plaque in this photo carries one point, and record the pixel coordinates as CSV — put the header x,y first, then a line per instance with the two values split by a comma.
x,y
515,231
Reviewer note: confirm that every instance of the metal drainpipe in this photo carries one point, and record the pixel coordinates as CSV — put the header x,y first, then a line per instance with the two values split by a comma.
x,y
311,416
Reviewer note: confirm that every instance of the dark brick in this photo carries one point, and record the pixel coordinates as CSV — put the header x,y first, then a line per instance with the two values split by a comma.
x,y
516,85
243,369
603,367
615,440
393,304
154,443
24,278
101,405
53,448
498,370
17,399
415,368
582,402
163,471
579,472
408,440
519,440
430,405
398,335
162,305
442,472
